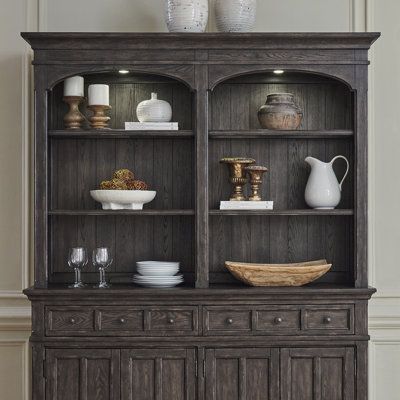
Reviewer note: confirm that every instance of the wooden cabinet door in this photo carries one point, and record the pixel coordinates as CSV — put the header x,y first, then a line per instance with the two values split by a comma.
x,y
88,374
158,374
317,374
242,374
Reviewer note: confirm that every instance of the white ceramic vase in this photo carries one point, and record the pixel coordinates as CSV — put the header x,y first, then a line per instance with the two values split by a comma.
x,y
154,110
323,191
235,15
186,15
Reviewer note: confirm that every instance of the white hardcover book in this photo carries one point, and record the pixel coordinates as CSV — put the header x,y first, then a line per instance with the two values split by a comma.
x,y
246,205
151,126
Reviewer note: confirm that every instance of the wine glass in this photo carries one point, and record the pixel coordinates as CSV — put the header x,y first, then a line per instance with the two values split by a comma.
x,y
102,259
77,259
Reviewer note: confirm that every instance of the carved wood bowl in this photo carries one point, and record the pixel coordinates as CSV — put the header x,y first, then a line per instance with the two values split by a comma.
x,y
295,274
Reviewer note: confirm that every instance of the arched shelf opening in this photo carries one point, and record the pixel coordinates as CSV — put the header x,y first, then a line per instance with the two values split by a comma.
x,y
287,233
327,102
79,160
126,91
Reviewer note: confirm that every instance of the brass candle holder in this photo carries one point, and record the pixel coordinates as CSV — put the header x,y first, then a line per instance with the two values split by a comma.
x,y
73,119
237,175
256,172
99,119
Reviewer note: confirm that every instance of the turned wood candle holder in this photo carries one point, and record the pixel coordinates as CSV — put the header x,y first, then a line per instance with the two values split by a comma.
x,y
99,119
73,119
256,172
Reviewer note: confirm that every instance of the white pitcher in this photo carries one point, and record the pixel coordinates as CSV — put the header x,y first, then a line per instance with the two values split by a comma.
x,y
323,191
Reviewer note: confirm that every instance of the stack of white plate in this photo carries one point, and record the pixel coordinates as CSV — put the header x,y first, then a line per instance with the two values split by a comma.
x,y
157,274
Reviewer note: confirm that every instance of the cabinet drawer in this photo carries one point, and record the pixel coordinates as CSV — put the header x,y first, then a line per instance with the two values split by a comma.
x,y
182,319
69,321
225,320
121,320
329,319
277,320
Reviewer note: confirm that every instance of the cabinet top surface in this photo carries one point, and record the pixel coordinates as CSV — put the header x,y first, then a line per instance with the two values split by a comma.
x,y
206,41
224,292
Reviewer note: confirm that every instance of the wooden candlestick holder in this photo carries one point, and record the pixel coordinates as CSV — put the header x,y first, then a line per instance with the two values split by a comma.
x,y
73,119
99,119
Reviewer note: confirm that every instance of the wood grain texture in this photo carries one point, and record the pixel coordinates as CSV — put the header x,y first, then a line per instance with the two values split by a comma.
x,y
276,274
215,84
242,374
125,95
130,238
285,244
158,374
321,374
85,374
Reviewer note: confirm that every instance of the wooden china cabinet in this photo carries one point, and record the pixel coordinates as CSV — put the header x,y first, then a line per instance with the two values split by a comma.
x,y
211,338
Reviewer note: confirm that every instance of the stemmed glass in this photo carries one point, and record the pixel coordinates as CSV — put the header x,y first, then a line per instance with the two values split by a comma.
x,y
102,259
77,259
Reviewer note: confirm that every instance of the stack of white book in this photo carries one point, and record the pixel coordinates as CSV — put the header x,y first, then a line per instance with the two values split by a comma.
x,y
151,126
246,205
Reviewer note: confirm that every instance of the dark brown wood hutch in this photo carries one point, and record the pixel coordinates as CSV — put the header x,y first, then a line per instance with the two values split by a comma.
x,y
212,338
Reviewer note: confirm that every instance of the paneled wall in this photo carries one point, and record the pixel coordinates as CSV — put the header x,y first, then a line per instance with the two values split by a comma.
x,y
138,15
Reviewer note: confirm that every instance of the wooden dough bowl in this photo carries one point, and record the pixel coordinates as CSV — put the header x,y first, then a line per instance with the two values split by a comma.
x,y
295,274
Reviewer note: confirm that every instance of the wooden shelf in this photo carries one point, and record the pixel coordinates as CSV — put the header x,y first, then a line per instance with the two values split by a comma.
x,y
283,212
118,134
146,212
264,133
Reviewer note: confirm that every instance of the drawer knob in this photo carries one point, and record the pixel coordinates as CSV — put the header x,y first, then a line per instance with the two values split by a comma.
x,y
171,321
122,320
278,320
327,320
72,321
229,321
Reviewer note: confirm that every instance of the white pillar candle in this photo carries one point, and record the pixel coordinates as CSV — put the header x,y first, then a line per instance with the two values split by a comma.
x,y
99,95
73,86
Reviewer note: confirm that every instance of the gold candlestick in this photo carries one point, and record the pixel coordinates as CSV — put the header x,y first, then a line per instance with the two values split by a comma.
x,y
99,119
256,172
237,175
73,119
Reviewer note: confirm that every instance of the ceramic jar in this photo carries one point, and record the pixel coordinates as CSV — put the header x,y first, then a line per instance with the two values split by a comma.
x,y
154,110
235,15
186,15
280,112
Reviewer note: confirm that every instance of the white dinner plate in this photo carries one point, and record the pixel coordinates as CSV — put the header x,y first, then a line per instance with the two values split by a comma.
x,y
158,278
158,263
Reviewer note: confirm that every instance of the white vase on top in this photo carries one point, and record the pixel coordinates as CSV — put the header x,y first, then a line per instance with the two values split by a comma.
x,y
186,15
235,15
154,110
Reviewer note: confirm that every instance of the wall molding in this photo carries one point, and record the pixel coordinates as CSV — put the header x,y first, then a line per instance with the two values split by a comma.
x,y
15,319
23,343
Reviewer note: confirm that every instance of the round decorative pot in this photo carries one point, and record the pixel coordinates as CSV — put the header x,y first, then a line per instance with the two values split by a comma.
x,y
280,112
154,110
235,15
186,15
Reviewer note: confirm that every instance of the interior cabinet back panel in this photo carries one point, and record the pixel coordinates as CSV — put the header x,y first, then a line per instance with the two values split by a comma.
x,y
282,239
287,174
125,94
130,238
79,165
234,106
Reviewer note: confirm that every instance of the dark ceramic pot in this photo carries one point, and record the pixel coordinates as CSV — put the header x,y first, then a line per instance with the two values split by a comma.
x,y
280,112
